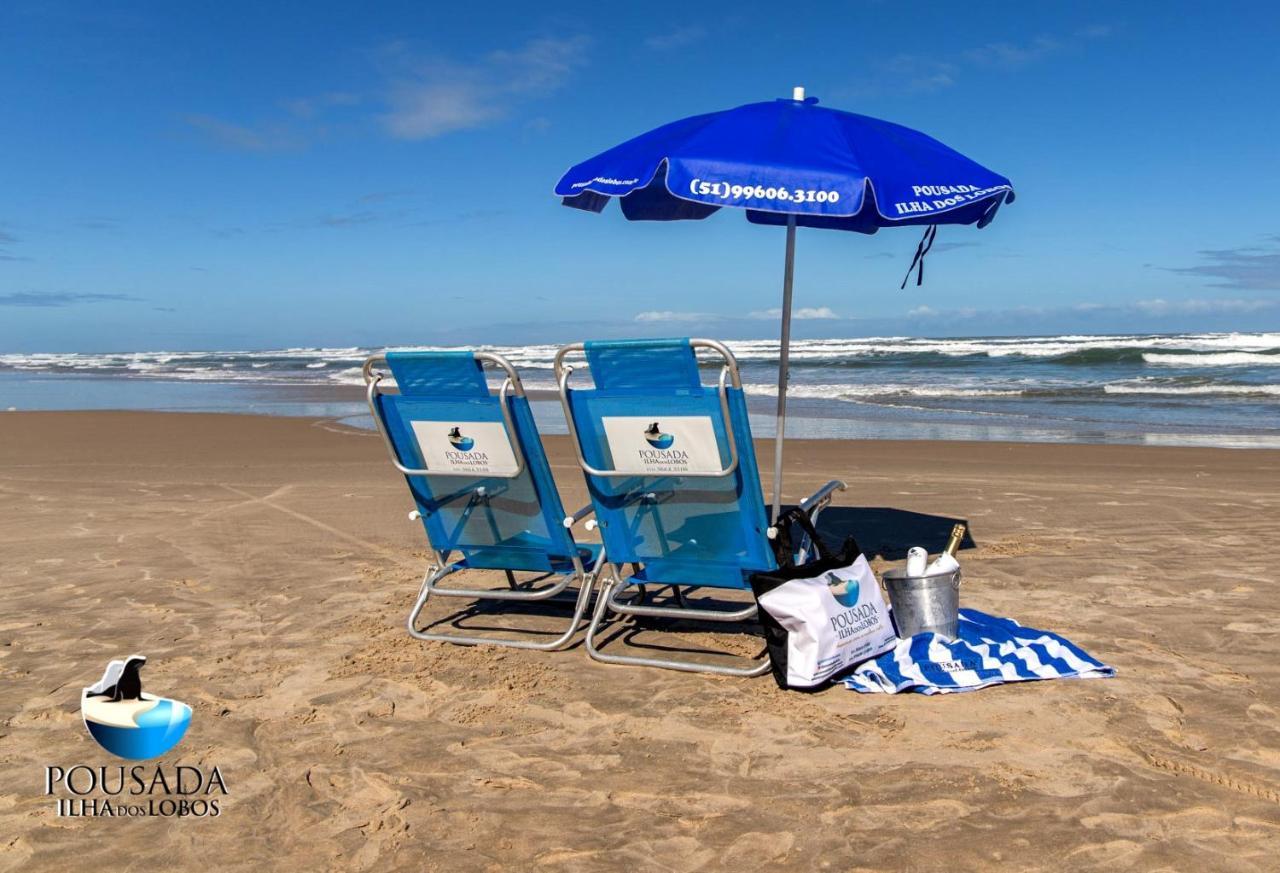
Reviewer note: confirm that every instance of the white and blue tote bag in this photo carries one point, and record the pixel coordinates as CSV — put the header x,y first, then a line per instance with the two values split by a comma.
x,y
821,618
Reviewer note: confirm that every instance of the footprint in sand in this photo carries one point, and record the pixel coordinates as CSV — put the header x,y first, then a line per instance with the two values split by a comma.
x,y
750,849
1163,714
1262,713
1252,627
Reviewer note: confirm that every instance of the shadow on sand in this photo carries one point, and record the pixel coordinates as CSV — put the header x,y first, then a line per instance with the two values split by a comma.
x,y
887,533
881,532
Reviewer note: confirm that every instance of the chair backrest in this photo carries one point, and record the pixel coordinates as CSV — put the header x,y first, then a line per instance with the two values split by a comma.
x,y
473,461
669,462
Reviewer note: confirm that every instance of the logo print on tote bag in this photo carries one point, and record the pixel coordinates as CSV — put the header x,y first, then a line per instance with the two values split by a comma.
x,y
460,442
125,720
844,591
656,438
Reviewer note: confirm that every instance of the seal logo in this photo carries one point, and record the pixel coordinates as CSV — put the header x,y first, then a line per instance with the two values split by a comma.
x,y
125,720
845,591
460,442
656,438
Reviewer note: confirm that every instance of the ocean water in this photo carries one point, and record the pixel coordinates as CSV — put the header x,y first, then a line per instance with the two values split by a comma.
x,y
1195,389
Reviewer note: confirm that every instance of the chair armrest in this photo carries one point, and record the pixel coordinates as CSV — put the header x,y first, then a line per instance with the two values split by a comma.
x,y
814,503
822,496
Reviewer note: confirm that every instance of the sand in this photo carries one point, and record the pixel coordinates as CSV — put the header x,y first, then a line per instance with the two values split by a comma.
x,y
265,567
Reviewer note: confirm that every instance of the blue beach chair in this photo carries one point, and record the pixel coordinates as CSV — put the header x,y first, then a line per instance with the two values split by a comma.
x,y
671,469
481,483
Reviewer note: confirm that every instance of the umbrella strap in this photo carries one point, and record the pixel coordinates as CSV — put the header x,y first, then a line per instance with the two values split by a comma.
x,y
917,263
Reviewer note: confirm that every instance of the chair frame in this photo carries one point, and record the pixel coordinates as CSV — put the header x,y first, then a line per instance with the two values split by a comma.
x,y
608,600
440,566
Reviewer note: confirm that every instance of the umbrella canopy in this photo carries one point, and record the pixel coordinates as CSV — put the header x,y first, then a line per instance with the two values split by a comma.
x,y
793,163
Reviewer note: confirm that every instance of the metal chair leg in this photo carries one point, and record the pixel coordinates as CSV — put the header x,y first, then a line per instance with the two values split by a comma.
x,y
605,604
586,583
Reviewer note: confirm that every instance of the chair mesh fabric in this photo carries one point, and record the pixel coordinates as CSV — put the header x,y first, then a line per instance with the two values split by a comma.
x,y
438,374
641,365
689,530
513,524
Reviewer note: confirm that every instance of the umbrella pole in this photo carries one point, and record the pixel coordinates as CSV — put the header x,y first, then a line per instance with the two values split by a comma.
x,y
784,359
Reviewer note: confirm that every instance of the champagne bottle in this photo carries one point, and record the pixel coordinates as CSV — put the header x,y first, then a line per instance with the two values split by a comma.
x,y
946,562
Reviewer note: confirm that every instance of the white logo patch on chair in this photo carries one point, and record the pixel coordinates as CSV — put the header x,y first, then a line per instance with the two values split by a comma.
x,y
479,447
657,445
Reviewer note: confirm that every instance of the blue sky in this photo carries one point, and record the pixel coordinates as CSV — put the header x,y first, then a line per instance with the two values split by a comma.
x,y
253,175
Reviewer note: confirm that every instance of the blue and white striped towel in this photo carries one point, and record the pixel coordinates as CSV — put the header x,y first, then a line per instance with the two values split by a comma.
x,y
988,650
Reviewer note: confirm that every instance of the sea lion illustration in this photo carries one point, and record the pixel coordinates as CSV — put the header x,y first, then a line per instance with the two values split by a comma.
x,y
460,442
125,720
657,438
120,681
845,591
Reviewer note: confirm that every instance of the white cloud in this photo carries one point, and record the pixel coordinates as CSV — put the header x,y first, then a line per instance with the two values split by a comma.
x,y
422,96
675,39
303,120
434,97
669,315
1153,307
1095,31
425,110
310,107
1247,267
1158,306
1012,55
242,137
804,313
909,72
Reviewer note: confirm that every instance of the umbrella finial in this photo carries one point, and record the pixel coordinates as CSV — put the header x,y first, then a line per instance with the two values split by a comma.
x,y
797,93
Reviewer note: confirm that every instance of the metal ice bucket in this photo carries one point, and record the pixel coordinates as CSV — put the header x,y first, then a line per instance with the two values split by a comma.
x,y
924,604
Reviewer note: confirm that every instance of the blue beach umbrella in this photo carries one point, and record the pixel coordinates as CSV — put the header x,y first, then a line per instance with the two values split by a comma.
x,y
793,163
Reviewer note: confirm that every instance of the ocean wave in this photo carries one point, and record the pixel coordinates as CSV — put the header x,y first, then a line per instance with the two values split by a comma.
x,y
1213,359
1232,389
858,392
1067,348
1099,356
347,376
1070,349
1047,367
